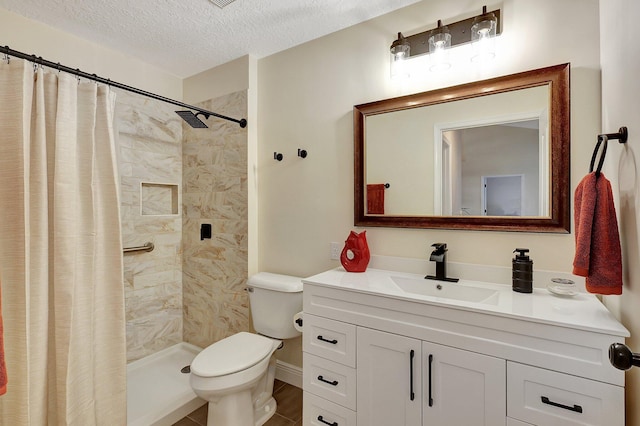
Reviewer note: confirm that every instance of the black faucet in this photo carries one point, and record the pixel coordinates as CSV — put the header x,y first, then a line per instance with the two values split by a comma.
x,y
439,256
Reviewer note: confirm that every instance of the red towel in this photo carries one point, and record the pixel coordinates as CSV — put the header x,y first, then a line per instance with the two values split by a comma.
x,y
375,198
3,368
598,256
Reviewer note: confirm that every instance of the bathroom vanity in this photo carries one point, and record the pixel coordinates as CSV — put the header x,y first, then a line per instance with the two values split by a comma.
x,y
391,348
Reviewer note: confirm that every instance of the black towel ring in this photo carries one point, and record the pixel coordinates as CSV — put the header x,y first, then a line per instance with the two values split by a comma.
x,y
601,138
621,136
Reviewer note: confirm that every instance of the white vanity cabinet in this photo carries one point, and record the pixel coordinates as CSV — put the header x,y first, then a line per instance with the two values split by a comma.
x,y
462,387
329,373
374,355
389,378
410,382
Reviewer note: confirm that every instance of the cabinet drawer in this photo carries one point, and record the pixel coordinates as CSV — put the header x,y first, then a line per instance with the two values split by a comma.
x,y
330,380
330,339
514,422
320,412
544,397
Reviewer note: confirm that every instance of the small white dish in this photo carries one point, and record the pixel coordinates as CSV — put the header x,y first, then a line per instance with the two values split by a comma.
x,y
560,291
562,287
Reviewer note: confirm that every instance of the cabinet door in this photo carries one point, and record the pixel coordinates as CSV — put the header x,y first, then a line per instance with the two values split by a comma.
x,y
388,378
462,387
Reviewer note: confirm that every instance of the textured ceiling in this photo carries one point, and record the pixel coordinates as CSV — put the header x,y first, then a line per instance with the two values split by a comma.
x,y
185,37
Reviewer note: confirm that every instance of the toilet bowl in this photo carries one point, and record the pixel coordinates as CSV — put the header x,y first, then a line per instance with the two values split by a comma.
x,y
235,375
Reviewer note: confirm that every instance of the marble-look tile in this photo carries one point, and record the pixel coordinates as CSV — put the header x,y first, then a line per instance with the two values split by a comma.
x,y
225,314
158,199
149,139
191,226
139,115
215,192
159,168
158,225
152,334
153,280
150,301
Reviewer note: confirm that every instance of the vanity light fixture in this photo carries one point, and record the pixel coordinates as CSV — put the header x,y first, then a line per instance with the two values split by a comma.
x,y
400,51
480,31
483,36
439,44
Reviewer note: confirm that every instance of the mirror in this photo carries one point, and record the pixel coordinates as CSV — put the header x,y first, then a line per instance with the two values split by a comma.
x,y
488,155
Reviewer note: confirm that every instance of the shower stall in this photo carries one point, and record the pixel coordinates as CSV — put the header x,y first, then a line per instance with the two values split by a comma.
x,y
187,292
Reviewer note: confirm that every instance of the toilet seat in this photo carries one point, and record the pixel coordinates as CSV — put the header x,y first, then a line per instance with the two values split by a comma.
x,y
232,354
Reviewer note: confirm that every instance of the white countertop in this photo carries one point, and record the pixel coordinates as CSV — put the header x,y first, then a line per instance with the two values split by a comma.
x,y
582,311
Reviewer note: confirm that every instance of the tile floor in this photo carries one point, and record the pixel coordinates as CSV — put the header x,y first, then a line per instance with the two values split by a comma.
x,y
288,413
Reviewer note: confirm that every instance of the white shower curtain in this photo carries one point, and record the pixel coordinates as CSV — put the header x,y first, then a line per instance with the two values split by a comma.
x,y
60,251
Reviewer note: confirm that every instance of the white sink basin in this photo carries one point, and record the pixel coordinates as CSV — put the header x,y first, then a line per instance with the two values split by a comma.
x,y
447,290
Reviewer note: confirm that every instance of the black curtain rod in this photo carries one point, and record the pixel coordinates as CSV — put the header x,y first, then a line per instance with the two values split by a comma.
x,y
39,61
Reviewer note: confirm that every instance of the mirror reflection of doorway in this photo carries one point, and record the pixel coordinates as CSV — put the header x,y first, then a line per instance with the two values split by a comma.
x,y
502,195
505,146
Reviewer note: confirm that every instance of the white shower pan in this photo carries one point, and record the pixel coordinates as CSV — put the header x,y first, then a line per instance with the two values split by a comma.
x,y
158,394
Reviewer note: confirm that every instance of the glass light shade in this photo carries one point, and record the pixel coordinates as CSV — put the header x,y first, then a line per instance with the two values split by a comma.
x,y
483,37
399,51
439,44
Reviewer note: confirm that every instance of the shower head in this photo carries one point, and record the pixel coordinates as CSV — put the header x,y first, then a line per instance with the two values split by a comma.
x,y
193,120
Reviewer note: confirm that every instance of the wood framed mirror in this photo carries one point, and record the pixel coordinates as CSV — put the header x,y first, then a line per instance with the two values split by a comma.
x,y
487,155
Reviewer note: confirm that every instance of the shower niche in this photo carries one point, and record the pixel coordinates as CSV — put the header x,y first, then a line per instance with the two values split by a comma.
x,y
159,199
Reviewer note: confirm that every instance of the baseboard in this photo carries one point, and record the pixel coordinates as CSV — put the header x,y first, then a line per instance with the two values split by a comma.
x,y
289,373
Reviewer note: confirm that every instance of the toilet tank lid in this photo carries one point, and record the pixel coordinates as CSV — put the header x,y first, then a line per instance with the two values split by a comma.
x,y
276,282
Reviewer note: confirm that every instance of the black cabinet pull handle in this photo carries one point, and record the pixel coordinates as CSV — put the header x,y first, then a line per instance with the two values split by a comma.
x,y
430,364
333,342
576,408
326,422
322,379
412,354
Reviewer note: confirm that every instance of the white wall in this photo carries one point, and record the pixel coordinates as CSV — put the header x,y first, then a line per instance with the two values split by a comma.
x,y
306,96
35,38
620,61
227,78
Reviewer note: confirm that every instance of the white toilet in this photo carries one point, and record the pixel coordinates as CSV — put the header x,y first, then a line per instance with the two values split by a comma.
x,y
236,374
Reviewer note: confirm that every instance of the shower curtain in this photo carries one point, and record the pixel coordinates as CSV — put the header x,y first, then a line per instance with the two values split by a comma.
x,y
60,251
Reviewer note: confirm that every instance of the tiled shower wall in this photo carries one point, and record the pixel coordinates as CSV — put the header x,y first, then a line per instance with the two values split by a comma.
x,y
149,134
215,192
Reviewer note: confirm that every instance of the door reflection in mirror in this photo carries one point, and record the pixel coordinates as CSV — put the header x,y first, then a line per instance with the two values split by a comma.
x,y
493,170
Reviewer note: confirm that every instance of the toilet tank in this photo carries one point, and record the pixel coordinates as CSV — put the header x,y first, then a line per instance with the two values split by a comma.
x,y
274,300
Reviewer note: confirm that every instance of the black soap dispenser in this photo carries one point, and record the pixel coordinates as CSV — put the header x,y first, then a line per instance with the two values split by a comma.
x,y
522,273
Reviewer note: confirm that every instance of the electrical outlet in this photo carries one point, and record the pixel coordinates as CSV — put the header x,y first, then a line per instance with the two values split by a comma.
x,y
336,249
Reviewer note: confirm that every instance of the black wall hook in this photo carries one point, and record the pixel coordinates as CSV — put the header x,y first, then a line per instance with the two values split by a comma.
x,y
621,136
278,156
302,153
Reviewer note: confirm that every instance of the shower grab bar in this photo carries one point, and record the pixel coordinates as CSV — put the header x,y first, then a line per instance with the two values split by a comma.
x,y
146,247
